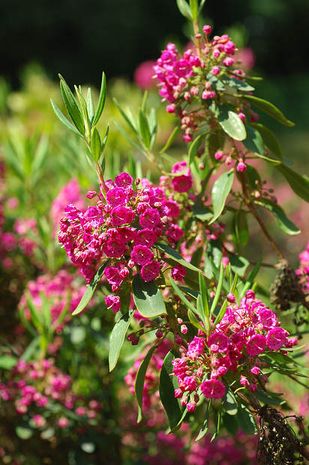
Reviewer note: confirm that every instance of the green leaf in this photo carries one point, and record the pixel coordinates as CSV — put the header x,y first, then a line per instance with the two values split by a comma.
x,y
254,141
204,295
117,338
170,140
126,116
194,321
140,380
166,390
184,9
283,221
7,362
241,227
95,144
90,289
89,102
269,139
63,119
230,403
193,148
232,124
181,295
270,109
71,105
218,290
239,264
299,184
202,212
246,420
220,192
148,298
194,9
175,256
101,102
23,432
144,129
204,429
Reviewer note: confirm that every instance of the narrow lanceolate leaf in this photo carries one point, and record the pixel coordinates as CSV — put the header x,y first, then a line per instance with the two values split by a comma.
x,y
174,256
181,295
299,184
170,140
220,192
63,119
283,221
269,139
140,381
117,338
71,105
96,144
184,9
89,102
232,124
270,109
241,228
144,129
90,289
148,298
194,146
254,141
166,390
101,102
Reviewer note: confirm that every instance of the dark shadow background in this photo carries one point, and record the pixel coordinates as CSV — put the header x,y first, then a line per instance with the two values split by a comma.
x,y
79,38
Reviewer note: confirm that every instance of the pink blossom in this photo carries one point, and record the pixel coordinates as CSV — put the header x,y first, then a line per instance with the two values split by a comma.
x,y
276,338
150,271
141,255
112,302
213,389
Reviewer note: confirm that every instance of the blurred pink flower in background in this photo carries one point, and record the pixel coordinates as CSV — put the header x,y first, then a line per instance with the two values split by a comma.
x,y
143,75
246,57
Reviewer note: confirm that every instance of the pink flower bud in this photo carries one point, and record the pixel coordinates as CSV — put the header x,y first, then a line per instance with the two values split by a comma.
x,y
241,167
207,29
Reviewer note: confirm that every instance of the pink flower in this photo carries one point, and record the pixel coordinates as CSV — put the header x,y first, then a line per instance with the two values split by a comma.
x,y
150,218
174,233
123,180
112,274
196,347
112,302
150,271
178,273
63,422
114,247
256,344
213,389
141,255
122,215
116,196
143,75
218,342
276,338
183,181
146,237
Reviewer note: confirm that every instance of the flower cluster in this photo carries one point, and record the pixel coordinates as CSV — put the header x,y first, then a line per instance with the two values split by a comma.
x,y
226,450
60,294
43,393
234,348
124,226
188,82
